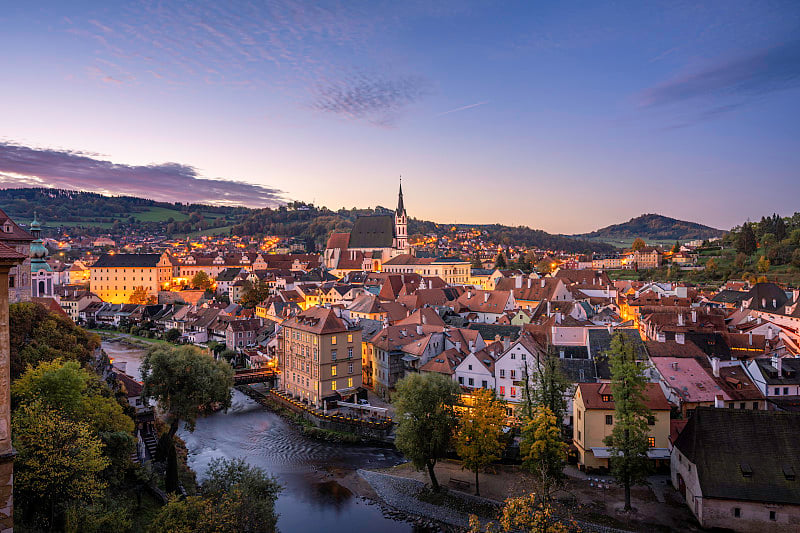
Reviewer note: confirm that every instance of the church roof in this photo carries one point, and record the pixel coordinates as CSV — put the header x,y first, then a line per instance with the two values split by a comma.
x,y
375,231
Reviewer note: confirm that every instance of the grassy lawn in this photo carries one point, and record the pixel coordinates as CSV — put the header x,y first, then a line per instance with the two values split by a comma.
x,y
224,230
160,214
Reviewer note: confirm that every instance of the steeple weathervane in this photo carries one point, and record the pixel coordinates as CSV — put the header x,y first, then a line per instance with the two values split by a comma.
x,y
401,210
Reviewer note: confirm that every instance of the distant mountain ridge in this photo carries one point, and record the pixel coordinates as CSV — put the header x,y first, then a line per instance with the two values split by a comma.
x,y
653,226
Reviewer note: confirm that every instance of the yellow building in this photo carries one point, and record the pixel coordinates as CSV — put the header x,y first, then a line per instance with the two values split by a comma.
x,y
114,277
593,421
453,270
319,356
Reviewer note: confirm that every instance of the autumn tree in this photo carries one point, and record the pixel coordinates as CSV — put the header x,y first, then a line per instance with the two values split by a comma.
x,y
480,427
185,382
58,462
38,334
201,280
526,514
426,419
711,266
638,244
543,451
545,266
746,243
254,294
629,437
763,264
139,296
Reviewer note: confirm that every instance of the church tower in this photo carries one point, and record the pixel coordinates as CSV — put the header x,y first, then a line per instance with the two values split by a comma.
x,y
41,272
401,222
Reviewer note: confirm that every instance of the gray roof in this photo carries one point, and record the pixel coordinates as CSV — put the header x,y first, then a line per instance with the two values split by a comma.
x,y
489,331
127,261
375,231
725,443
790,368
728,296
600,341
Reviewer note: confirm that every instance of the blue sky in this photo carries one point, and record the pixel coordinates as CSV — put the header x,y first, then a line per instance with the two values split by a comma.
x,y
562,116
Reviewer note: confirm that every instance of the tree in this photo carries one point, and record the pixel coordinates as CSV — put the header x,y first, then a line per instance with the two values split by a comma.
x,y
711,266
185,381
478,434
638,244
763,264
254,294
172,335
59,461
796,258
629,437
426,419
527,514
676,247
545,266
740,260
543,451
746,243
39,335
545,385
780,228
139,296
500,262
251,488
201,280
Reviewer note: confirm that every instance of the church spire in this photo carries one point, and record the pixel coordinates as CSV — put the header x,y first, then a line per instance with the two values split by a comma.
x,y
400,207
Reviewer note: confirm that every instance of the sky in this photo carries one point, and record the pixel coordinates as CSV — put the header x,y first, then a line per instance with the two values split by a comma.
x,y
562,116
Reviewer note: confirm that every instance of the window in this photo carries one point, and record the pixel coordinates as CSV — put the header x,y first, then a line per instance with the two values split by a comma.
x,y
11,281
350,352
737,512
349,337
609,420
777,391
773,515
471,382
333,385
651,441
651,420
741,405
502,390
333,354
349,382
786,391
502,373
606,397
333,370
579,414
513,356
350,368
755,406
523,357
513,392
484,384
469,366
333,340
460,380
579,434
513,374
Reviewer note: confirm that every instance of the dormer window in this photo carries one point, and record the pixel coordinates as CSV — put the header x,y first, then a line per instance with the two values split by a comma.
x,y
605,397
747,470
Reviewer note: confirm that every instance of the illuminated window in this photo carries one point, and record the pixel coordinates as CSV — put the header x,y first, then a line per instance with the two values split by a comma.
x,y
513,392
651,441
333,370
349,337
606,397
502,390
333,385
333,340
349,382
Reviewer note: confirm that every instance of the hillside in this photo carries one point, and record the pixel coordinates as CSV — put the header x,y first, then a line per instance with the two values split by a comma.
x,y
91,213
653,227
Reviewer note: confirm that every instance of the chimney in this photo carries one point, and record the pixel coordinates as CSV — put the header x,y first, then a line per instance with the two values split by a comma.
x,y
518,281
680,338
680,319
674,365
610,329
774,303
548,307
472,346
506,343
485,297
424,319
469,295
769,333
529,283
715,366
777,364
694,315
458,346
750,338
419,329
719,403
543,282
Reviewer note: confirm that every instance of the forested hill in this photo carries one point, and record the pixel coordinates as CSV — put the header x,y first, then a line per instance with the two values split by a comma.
x,y
654,227
93,213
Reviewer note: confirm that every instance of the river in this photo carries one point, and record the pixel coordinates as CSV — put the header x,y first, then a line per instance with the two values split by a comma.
x,y
315,475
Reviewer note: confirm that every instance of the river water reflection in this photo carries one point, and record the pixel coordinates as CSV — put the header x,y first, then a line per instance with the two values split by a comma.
x,y
310,471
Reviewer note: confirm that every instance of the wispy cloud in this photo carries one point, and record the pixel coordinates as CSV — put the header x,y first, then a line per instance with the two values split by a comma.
x,y
171,182
374,98
756,74
462,108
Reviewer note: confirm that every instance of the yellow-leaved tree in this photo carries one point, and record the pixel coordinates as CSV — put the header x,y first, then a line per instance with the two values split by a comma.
x,y
478,433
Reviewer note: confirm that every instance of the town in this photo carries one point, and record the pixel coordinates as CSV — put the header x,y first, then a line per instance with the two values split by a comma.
x,y
538,339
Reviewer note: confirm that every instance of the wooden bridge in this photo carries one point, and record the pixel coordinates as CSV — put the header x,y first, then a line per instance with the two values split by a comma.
x,y
255,375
